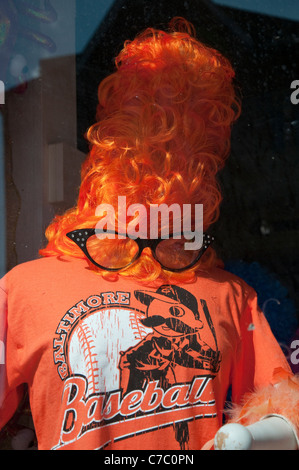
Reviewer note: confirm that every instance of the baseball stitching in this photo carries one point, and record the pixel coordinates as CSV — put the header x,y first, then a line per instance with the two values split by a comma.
x,y
137,328
90,356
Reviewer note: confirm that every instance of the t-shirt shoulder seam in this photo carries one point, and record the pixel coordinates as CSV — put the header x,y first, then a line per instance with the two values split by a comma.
x,y
3,290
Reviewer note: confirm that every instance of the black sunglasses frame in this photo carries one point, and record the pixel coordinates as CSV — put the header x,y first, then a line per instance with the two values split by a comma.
x,y
80,237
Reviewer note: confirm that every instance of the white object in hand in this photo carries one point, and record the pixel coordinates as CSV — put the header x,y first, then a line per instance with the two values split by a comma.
x,y
271,433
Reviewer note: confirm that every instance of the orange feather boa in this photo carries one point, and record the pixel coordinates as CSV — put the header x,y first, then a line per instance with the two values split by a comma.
x,y
279,398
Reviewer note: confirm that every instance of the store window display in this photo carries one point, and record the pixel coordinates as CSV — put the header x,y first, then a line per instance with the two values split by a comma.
x,y
126,349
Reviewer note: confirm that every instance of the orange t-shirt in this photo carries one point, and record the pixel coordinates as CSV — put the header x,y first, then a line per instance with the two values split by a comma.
x,y
117,365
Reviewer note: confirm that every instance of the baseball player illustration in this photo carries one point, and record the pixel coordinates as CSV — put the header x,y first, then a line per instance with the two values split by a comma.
x,y
175,344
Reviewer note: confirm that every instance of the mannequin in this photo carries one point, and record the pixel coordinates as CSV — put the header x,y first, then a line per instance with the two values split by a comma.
x,y
143,338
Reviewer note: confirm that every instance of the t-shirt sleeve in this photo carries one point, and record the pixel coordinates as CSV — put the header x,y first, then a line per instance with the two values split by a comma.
x,y
258,354
10,392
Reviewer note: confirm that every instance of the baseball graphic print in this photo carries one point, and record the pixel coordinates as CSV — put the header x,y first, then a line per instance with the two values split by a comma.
x,y
120,363
96,344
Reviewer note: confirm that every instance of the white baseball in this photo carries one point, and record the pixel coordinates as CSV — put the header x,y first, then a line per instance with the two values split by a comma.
x,y
96,342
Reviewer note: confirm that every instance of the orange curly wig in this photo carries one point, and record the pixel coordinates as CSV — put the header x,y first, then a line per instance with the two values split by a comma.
x,y
162,132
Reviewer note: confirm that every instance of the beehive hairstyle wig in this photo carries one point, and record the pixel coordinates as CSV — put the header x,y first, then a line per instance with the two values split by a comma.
x,y
162,133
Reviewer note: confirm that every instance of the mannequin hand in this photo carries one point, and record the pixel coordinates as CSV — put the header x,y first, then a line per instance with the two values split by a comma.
x,y
271,433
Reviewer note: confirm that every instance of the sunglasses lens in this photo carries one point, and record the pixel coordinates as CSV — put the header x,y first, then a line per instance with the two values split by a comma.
x,y
172,254
112,253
